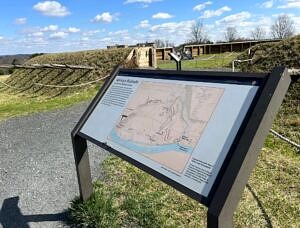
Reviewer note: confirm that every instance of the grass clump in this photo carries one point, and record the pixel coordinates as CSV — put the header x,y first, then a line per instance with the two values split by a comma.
x,y
99,211
142,200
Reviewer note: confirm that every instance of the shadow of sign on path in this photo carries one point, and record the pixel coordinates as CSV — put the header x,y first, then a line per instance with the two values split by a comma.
x,y
11,215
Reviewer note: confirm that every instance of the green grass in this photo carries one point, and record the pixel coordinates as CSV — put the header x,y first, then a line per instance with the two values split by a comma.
x,y
12,105
100,211
140,200
218,61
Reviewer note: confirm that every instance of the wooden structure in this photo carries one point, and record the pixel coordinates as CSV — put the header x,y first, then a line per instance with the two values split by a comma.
x,y
217,48
163,53
143,57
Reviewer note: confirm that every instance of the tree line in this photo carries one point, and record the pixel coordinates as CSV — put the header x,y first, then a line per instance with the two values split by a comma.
x,y
283,27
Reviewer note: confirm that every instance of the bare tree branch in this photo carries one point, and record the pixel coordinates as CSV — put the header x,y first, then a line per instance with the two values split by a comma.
x,y
198,33
283,27
162,44
258,33
231,34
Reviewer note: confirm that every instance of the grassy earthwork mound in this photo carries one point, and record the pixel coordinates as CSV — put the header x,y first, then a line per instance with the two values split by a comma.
x,y
103,61
264,58
268,55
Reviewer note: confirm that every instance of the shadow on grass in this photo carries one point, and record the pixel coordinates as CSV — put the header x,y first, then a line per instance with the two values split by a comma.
x,y
11,215
261,207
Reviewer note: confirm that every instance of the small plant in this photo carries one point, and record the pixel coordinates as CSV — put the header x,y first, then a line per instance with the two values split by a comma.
x,y
11,71
98,211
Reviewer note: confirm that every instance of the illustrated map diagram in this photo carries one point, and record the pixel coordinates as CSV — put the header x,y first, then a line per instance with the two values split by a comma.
x,y
164,121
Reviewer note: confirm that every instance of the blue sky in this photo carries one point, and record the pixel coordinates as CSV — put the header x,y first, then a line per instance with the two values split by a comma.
x,y
55,26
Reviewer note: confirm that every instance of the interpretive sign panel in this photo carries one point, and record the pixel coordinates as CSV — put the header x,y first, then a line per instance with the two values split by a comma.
x,y
200,132
181,129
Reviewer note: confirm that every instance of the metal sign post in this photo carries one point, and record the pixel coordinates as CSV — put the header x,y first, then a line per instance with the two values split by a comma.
x,y
228,172
177,59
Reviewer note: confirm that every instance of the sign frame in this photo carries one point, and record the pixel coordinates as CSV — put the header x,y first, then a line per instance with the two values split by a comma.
x,y
241,158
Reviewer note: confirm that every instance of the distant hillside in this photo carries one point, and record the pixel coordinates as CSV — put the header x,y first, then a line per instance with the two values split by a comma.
x,y
102,60
18,59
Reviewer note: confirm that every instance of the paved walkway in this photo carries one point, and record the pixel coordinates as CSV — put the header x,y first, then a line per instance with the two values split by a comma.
x,y
37,171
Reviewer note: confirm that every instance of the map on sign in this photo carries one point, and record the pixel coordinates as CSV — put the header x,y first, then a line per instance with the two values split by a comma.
x,y
179,128
164,122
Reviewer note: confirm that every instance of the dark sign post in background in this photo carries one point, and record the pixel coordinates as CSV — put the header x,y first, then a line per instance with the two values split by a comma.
x,y
208,154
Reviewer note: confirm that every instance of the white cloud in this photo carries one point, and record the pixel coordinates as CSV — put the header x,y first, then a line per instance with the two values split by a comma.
x,y
290,4
104,17
58,35
173,26
50,28
73,30
231,19
106,39
267,4
51,8
92,32
162,16
213,13
36,34
119,33
244,25
174,32
85,38
21,21
143,24
201,6
40,41
141,1
1,38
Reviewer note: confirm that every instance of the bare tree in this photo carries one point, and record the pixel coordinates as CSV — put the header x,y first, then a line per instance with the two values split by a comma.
x,y
169,44
159,43
162,44
198,33
258,33
231,34
283,27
